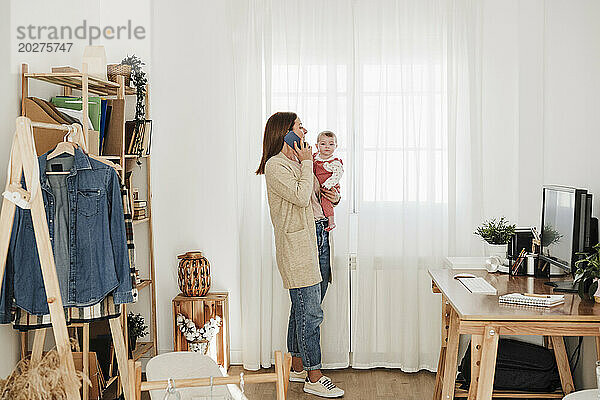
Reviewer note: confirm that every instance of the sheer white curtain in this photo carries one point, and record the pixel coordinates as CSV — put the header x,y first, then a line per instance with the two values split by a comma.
x,y
282,69
416,74
258,274
398,82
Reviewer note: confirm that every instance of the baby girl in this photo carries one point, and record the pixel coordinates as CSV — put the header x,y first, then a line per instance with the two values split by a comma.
x,y
328,170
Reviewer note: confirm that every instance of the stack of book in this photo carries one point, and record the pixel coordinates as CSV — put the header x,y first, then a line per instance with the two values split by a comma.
x,y
139,209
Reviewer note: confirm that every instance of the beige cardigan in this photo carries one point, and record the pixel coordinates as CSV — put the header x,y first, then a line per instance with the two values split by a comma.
x,y
289,188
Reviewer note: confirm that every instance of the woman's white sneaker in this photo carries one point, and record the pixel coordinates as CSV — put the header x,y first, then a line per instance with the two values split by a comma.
x,y
323,388
298,376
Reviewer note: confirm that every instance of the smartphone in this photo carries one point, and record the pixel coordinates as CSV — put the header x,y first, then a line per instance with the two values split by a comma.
x,y
290,138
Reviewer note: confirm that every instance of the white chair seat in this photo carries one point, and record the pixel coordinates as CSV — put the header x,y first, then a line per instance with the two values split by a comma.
x,y
185,365
591,394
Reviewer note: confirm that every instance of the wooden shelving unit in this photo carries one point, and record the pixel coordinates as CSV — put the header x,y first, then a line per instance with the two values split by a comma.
x,y
115,92
141,349
74,80
144,283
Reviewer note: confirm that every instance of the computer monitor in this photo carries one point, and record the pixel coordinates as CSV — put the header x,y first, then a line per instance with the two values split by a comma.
x,y
564,222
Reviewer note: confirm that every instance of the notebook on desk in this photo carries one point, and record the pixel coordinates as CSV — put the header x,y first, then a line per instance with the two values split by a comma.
x,y
525,299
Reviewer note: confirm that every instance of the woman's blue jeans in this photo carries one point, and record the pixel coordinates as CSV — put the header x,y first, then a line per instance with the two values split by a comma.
x,y
306,314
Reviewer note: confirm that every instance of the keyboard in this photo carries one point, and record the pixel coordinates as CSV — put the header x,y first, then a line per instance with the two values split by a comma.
x,y
478,285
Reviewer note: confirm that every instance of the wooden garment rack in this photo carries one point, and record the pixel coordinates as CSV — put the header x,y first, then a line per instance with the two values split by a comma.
x,y
280,377
24,161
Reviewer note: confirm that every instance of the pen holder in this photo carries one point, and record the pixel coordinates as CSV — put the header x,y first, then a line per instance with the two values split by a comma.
x,y
519,265
531,263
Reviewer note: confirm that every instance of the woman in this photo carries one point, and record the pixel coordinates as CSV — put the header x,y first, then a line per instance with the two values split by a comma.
x,y
290,187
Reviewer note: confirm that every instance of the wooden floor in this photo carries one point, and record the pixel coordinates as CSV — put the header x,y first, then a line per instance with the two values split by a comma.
x,y
372,384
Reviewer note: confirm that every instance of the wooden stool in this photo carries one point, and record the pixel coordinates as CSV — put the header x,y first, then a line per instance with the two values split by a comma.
x,y
201,310
590,394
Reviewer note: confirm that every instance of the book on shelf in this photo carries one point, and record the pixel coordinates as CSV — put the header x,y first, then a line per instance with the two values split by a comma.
x,y
138,142
75,103
537,300
140,203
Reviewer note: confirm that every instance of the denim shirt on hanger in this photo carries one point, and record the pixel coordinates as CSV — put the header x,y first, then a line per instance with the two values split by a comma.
x,y
99,262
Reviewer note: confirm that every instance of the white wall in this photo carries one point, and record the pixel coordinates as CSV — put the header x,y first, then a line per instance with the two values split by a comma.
x,y
192,108
10,86
9,106
542,94
571,113
193,164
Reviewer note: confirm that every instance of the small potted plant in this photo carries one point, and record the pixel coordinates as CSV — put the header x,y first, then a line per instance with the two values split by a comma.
x,y
587,274
496,234
139,80
136,328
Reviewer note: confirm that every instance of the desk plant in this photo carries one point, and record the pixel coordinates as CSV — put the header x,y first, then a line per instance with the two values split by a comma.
x,y
587,274
496,234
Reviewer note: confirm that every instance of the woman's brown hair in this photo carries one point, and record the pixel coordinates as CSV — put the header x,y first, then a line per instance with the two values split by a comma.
x,y
278,125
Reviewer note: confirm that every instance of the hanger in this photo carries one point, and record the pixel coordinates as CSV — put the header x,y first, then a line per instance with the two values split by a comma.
x,y
75,138
64,147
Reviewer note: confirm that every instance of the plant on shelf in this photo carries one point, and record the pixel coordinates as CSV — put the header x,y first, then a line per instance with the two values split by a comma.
x,y
496,232
588,273
136,328
139,80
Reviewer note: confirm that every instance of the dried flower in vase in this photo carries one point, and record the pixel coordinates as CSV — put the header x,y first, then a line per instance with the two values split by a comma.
x,y
198,339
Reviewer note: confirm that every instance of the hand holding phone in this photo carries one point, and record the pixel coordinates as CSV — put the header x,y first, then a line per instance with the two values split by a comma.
x,y
290,138
303,151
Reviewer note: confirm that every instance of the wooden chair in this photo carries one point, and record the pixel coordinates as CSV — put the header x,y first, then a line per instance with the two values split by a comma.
x,y
181,370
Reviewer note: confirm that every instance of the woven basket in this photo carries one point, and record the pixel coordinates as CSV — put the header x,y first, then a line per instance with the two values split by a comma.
x,y
193,274
114,70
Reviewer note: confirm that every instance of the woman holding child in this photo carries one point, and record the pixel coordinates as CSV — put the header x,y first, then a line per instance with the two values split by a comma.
x,y
302,259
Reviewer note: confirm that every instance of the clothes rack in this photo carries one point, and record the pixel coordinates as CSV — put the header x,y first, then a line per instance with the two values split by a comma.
x,y
23,161
114,150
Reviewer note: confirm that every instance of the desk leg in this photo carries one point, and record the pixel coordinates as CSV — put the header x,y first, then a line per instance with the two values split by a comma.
x,y
439,377
437,393
487,369
562,361
449,381
597,347
476,343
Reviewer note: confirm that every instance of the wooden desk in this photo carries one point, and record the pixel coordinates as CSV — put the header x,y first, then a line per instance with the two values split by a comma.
x,y
485,319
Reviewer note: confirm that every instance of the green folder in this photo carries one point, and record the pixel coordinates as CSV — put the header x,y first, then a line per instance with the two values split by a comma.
x,y
74,103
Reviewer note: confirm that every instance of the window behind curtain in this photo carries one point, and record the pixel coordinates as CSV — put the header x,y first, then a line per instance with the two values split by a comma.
x,y
401,141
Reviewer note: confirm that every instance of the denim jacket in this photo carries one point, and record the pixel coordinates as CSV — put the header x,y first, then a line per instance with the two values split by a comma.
x,y
99,262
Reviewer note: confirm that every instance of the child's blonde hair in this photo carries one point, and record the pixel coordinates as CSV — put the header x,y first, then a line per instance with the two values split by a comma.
x,y
327,134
